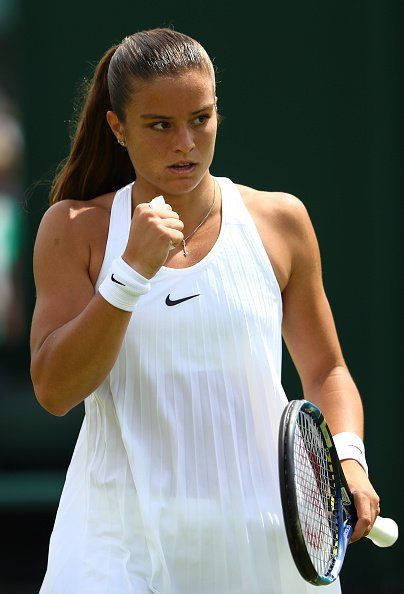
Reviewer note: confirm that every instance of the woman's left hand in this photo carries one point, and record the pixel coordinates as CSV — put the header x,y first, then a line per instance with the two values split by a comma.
x,y
366,500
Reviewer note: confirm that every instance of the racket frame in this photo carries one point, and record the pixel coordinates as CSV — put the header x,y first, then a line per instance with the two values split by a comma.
x,y
344,509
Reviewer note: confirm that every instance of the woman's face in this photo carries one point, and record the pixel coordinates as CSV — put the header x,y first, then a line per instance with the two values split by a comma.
x,y
171,120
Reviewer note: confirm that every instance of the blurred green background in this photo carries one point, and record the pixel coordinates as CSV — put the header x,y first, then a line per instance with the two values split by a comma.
x,y
311,98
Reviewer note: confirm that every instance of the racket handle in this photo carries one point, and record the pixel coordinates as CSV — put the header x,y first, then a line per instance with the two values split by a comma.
x,y
384,532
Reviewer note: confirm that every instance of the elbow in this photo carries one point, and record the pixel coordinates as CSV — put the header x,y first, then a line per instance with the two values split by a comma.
x,y
46,397
48,402
50,407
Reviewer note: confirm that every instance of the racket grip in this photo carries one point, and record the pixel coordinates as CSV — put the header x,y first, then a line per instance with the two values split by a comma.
x,y
384,532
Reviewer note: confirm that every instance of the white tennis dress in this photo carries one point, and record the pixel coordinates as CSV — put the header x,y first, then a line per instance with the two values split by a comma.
x,y
173,484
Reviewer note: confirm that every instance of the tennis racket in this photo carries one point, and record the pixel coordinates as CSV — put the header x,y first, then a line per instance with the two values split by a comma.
x,y
317,505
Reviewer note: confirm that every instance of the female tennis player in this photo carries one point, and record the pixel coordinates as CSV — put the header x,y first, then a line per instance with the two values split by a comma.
x,y
165,317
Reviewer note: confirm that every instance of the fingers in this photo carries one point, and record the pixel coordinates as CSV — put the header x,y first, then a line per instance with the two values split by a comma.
x,y
170,232
366,500
154,232
367,508
363,510
176,238
164,212
172,223
164,218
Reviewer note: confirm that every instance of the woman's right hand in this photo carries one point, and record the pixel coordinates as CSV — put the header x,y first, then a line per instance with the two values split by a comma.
x,y
153,232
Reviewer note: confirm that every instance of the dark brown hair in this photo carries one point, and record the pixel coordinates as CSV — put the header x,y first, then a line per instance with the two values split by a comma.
x,y
97,164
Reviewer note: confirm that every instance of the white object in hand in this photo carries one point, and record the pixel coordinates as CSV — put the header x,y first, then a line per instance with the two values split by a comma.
x,y
159,202
384,532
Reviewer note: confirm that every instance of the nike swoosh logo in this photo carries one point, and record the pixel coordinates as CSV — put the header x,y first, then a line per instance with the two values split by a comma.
x,y
117,281
177,301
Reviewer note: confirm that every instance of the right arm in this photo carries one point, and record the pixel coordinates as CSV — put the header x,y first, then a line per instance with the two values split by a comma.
x,y
76,335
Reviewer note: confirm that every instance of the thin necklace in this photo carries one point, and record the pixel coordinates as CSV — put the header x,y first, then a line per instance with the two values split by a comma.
x,y
184,247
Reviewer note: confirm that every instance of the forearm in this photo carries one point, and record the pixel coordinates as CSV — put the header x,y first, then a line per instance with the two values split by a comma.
x,y
338,399
75,359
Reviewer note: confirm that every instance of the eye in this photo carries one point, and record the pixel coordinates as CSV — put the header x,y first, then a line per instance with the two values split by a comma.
x,y
164,125
203,118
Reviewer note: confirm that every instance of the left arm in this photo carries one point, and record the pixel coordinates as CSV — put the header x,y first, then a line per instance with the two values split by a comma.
x,y
311,338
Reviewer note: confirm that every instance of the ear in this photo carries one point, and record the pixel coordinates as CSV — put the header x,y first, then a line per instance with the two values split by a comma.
x,y
115,125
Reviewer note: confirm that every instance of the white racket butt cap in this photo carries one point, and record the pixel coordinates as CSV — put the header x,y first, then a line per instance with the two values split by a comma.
x,y
384,532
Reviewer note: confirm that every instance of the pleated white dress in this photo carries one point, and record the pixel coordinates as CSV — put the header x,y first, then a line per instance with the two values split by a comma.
x,y
173,484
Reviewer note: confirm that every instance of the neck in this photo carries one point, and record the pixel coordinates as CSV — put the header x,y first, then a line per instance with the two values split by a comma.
x,y
190,206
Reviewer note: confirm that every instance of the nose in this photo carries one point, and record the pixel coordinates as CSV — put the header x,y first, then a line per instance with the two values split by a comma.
x,y
184,140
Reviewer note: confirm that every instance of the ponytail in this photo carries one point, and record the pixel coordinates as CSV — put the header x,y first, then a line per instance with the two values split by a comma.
x,y
97,164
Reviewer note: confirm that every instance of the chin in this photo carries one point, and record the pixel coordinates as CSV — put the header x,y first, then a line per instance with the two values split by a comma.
x,y
164,183
182,185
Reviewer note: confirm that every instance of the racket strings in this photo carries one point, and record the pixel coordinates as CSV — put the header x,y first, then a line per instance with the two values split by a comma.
x,y
316,494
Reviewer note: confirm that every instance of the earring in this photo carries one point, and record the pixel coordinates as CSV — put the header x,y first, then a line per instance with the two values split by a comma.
x,y
121,141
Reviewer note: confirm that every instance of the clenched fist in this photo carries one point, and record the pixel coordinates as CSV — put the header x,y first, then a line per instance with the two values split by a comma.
x,y
153,232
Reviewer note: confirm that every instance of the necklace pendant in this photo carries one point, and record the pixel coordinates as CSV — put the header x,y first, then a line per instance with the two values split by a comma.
x,y
184,249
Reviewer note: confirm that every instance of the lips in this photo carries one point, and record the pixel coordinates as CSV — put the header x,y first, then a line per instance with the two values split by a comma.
x,y
182,166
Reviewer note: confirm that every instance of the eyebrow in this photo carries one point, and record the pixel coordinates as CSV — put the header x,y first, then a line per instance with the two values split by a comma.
x,y
154,116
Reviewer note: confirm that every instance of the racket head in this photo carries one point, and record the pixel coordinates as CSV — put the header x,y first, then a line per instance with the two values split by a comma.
x,y
316,502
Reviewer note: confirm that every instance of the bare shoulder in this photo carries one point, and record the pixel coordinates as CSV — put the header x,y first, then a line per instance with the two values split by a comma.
x,y
77,216
284,227
280,208
73,229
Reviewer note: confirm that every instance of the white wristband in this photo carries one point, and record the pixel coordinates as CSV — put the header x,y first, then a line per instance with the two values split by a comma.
x,y
350,446
123,286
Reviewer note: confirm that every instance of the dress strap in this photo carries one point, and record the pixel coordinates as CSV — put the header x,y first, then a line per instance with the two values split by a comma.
x,y
118,231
